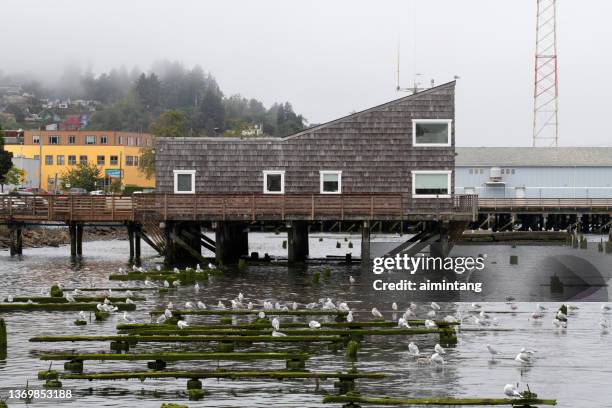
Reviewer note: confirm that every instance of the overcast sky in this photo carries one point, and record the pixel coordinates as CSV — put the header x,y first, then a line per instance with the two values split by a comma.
x,y
331,57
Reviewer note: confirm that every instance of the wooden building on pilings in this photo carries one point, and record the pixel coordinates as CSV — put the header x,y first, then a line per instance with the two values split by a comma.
x,y
393,162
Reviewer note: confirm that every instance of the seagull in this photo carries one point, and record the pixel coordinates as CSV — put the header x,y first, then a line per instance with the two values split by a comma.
x,y
329,304
511,391
170,305
166,284
483,315
201,305
430,324
129,301
294,306
158,267
211,266
128,318
106,301
476,306
513,306
435,306
220,305
82,315
606,308
121,270
439,349
351,280
148,282
100,307
413,306
343,307
561,316
401,322
188,305
236,304
250,306
198,269
278,334
134,268
451,319
161,319
376,313
168,313
537,315
431,313
604,324
261,315
560,324
176,284
176,270
492,351
68,296
314,324
311,305
394,306
413,349
182,324
408,313
523,357
9,298
275,324
349,317
436,358
240,296
129,294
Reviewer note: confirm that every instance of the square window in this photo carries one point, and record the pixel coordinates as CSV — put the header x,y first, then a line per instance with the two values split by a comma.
x,y
100,160
184,181
103,140
83,159
72,160
431,132
71,139
114,160
274,182
330,182
53,140
49,160
90,140
35,139
129,160
60,160
431,183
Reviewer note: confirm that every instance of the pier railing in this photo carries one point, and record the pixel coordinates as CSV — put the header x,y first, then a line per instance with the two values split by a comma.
x,y
211,207
587,205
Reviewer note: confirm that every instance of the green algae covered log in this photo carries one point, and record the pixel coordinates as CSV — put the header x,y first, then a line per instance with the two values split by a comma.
x,y
355,398
59,307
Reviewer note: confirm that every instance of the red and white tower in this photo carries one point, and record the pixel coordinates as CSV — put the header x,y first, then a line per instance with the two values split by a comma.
x,y
546,90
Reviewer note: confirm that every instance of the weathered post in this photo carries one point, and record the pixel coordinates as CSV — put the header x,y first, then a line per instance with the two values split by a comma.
x,y
79,239
73,244
365,243
231,241
3,339
130,231
297,240
137,233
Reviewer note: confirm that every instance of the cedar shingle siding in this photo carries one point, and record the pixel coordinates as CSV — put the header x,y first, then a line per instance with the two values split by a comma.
x,y
372,148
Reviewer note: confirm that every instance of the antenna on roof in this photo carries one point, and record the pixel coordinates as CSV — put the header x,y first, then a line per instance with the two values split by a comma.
x,y
415,86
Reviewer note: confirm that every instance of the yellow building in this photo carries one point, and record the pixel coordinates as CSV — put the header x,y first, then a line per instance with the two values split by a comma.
x,y
116,154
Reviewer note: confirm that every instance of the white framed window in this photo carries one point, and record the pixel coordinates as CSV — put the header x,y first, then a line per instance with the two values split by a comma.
x,y
184,181
35,139
274,182
431,183
90,140
431,132
330,181
53,140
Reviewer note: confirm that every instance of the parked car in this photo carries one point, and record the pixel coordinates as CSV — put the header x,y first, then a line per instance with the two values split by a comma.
x,y
77,191
97,192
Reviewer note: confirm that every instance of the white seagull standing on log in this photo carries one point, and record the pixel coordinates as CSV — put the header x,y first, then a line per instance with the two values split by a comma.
x,y
376,313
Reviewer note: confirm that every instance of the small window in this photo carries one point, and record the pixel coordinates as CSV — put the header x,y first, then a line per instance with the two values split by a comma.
x,y
513,171
35,139
103,140
274,182
60,160
431,132
114,160
120,140
431,183
71,139
471,171
71,160
137,141
331,182
100,160
481,171
90,140
83,159
53,140
129,160
184,181
130,141
49,160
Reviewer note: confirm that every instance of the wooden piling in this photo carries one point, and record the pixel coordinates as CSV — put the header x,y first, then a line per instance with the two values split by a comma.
x,y
3,339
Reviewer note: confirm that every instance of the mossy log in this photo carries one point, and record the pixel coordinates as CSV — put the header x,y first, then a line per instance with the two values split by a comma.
x,y
186,356
55,291
277,375
59,307
222,312
48,375
293,332
171,405
266,324
52,384
435,401
182,277
80,299
188,339
116,289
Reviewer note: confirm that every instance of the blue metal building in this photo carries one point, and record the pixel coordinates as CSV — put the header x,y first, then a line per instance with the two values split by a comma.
x,y
534,172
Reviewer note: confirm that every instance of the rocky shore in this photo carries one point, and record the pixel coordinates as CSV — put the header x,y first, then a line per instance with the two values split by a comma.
x,y
53,236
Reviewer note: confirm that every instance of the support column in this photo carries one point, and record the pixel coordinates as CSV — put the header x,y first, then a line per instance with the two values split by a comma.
x,y
441,248
365,243
73,239
130,231
169,255
16,239
231,241
79,240
297,241
137,234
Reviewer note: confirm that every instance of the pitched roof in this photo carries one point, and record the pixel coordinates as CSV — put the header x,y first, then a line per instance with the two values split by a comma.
x,y
534,156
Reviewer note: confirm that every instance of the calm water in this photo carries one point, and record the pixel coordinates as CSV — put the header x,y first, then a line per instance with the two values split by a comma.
x,y
574,366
